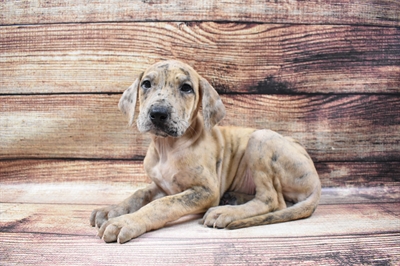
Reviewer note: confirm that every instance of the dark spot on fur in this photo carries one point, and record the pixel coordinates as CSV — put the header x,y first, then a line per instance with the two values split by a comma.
x,y
177,183
171,131
218,164
314,208
285,217
303,176
274,157
128,98
198,194
268,200
185,72
236,225
270,85
198,170
165,66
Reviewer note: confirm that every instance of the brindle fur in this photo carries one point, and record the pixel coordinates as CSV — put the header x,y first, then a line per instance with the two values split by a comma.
x,y
265,177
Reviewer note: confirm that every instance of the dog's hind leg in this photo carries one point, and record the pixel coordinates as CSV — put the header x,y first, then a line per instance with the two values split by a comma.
x,y
222,216
282,171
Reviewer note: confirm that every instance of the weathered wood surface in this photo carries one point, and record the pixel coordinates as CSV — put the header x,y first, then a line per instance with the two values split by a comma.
x,y
49,249
46,217
334,235
332,127
113,190
366,12
234,57
74,220
130,173
332,67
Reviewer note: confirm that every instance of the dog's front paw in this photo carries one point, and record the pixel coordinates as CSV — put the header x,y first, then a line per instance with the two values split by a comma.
x,y
121,229
219,217
102,215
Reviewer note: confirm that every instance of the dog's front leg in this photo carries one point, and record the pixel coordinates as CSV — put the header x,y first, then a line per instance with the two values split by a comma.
x,y
156,214
138,199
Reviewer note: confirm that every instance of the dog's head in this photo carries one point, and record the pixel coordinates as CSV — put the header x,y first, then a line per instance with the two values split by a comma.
x,y
170,93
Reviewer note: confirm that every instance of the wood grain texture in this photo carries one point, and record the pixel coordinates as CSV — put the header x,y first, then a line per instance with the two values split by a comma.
x,y
331,127
31,218
334,235
113,190
359,174
324,72
49,249
283,11
106,172
131,173
234,57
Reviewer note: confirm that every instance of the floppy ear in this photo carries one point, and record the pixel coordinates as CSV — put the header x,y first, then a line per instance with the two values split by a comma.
x,y
213,108
127,103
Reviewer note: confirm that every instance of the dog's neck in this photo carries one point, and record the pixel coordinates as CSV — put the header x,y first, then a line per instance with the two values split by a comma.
x,y
194,132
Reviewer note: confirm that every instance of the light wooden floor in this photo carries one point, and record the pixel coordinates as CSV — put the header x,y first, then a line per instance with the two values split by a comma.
x,y
47,224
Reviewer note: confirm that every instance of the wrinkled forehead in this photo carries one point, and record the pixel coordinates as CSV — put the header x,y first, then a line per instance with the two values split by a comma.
x,y
172,71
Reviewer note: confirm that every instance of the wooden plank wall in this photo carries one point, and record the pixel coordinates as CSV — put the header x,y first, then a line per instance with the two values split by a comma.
x,y
324,72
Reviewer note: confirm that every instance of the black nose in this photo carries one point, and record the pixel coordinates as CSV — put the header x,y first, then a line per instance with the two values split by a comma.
x,y
159,115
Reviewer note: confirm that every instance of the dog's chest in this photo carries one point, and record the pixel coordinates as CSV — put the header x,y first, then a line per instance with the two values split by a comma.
x,y
165,176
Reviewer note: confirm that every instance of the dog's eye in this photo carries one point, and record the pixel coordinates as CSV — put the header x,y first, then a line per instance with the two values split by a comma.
x,y
146,84
186,88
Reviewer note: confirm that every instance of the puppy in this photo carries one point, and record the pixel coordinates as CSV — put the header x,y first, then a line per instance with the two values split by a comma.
x,y
195,165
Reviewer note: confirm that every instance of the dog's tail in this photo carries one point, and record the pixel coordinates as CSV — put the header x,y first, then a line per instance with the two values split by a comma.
x,y
300,210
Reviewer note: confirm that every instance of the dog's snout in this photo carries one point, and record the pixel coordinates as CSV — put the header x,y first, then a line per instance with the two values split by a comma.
x,y
159,115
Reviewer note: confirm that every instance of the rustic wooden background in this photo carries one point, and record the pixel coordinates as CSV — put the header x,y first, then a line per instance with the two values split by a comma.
x,y
324,72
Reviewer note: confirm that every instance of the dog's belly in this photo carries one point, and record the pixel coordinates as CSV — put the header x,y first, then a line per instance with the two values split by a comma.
x,y
235,175
244,184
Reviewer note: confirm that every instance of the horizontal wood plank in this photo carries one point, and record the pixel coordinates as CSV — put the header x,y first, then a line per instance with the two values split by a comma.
x,y
74,220
48,249
299,12
21,175
60,234
107,172
114,191
234,57
324,72
331,127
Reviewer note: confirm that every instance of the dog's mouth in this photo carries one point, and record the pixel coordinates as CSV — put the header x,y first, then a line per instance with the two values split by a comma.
x,y
163,131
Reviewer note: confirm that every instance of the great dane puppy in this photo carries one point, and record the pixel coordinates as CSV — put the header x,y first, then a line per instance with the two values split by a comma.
x,y
195,165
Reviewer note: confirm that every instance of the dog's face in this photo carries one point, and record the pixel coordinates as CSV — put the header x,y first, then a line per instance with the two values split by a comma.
x,y
169,96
